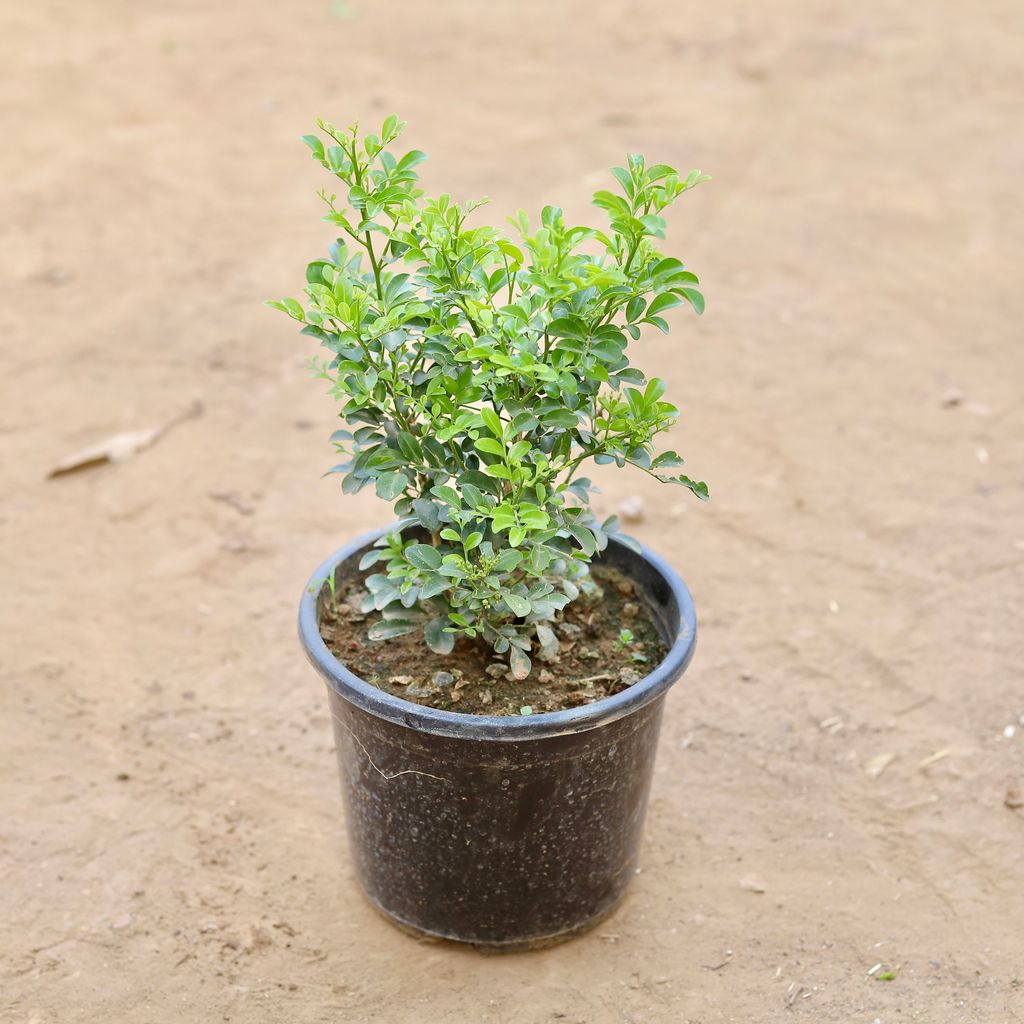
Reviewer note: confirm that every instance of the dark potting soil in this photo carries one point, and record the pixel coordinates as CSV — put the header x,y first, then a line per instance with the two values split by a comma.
x,y
593,661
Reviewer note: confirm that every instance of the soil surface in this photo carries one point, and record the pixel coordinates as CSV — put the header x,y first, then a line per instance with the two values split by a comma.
x,y
837,796
595,658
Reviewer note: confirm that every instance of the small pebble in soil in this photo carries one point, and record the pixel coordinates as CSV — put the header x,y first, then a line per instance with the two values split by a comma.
x,y
631,609
628,676
442,679
569,630
496,671
421,689
545,677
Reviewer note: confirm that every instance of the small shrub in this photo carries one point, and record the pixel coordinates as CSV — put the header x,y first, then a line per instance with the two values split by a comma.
x,y
478,375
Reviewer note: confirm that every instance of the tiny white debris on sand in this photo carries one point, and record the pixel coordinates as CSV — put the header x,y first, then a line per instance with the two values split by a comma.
x,y
833,607
878,764
631,509
982,454
752,884
933,758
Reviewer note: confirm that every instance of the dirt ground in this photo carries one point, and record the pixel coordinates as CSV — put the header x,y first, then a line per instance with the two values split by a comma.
x,y
831,789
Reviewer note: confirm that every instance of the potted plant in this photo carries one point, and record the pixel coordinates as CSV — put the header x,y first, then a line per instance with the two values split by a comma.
x,y
496,661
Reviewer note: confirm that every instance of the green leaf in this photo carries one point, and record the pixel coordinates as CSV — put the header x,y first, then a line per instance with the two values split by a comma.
x,y
447,494
433,586
388,629
315,145
427,512
516,536
489,445
519,605
584,538
423,556
372,557
635,308
411,160
566,327
391,485
436,638
695,298
666,460
507,560
698,487
517,451
560,418
450,567
410,446
666,300
471,495
654,390
520,665
492,421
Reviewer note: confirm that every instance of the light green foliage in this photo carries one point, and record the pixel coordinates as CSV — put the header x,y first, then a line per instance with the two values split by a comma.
x,y
477,375
624,639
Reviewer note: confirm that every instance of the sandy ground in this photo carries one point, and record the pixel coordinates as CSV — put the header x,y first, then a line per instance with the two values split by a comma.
x,y
172,843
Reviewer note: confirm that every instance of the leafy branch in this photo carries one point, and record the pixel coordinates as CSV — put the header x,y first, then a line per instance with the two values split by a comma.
x,y
477,374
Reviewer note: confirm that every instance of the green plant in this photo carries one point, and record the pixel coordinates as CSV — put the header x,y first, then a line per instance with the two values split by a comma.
x,y
477,375
623,640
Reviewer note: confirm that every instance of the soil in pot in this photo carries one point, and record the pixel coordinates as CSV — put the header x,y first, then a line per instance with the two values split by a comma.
x,y
595,660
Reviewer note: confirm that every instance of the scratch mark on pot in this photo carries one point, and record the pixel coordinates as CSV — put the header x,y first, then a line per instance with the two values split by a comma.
x,y
388,776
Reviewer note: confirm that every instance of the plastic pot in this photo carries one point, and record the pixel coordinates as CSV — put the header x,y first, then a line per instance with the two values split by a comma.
x,y
508,833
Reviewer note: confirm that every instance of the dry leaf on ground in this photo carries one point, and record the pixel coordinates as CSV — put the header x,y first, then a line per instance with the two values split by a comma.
x,y
120,446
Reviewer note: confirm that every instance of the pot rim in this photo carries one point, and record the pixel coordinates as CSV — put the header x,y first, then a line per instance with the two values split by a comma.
x,y
456,724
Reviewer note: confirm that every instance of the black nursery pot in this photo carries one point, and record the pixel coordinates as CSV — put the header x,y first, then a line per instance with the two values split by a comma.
x,y
508,833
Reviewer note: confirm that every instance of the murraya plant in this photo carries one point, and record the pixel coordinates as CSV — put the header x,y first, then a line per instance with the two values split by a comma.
x,y
478,374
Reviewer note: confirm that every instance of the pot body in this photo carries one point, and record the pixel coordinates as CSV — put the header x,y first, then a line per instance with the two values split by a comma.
x,y
505,833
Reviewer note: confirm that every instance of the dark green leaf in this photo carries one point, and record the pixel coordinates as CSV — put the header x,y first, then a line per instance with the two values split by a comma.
x,y
695,298
388,629
519,605
391,485
423,556
436,638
